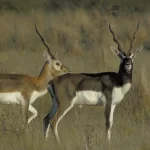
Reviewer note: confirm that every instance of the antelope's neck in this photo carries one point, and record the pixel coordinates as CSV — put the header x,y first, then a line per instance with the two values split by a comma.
x,y
126,77
42,80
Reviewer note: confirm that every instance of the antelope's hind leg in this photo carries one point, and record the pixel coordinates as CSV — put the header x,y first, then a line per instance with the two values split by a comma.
x,y
62,111
49,116
52,112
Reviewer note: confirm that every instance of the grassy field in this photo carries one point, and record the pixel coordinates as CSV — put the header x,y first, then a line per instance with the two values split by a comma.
x,y
76,36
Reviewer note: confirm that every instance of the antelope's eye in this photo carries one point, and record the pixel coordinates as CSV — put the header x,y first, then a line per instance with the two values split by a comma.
x,y
58,64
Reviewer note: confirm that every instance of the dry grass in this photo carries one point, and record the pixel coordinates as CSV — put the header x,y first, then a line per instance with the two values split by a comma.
x,y
83,37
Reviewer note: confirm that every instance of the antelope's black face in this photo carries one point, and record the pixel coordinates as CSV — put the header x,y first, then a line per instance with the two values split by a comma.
x,y
126,60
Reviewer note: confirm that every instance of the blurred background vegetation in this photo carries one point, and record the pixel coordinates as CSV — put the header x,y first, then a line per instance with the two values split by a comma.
x,y
56,5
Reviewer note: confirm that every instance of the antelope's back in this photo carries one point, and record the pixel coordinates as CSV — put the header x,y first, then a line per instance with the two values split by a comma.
x,y
68,84
15,82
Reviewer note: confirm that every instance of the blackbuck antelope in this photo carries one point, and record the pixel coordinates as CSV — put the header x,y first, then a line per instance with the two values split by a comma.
x,y
106,89
24,90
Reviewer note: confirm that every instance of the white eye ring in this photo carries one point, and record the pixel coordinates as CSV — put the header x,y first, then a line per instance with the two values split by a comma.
x,y
57,65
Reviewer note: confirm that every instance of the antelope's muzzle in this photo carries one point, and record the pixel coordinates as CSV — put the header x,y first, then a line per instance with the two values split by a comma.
x,y
65,69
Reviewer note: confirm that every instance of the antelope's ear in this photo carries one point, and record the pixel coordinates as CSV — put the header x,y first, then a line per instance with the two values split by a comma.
x,y
139,49
132,55
47,56
117,52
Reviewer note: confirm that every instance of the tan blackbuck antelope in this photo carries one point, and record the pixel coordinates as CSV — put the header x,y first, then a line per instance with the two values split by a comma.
x,y
24,90
106,89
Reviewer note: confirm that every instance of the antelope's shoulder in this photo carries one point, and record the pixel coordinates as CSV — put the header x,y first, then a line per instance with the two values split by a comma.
x,y
122,89
119,92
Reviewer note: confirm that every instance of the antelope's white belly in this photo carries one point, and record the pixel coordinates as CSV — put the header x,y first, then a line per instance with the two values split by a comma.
x,y
36,94
119,92
12,97
90,98
17,97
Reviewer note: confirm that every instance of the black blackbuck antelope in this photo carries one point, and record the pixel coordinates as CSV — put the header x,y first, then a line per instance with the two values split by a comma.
x,y
24,90
106,89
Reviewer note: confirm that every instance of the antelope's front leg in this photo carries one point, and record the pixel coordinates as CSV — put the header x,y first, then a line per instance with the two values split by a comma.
x,y
25,106
34,113
109,111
